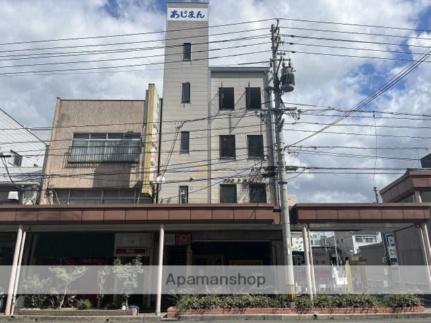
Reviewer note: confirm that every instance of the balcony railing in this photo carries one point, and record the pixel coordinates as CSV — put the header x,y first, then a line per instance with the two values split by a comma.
x,y
107,152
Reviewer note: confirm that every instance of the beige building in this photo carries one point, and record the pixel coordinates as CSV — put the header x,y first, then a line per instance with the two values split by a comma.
x,y
103,151
216,135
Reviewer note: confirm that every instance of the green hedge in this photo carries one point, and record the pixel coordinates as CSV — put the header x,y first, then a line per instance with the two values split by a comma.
x,y
186,302
402,300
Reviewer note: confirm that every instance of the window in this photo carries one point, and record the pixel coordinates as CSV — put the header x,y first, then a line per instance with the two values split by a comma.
x,y
95,196
185,93
16,158
184,195
252,95
366,239
187,51
185,142
255,146
426,196
257,193
105,147
228,193
227,146
226,98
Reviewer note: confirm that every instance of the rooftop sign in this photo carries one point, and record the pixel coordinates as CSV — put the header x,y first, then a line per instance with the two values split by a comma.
x,y
188,14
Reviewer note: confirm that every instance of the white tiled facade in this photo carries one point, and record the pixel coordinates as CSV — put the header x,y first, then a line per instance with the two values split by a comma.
x,y
202,169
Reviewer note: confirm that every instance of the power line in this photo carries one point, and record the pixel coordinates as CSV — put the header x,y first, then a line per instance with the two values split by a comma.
x,y
350,32
349,40
361,104
361,148
130,58
354,24
121,43
311,114
353,134
238,112
164,133
354,56
355,48
125,50
129,65
361,125
331,108
312,152
131,34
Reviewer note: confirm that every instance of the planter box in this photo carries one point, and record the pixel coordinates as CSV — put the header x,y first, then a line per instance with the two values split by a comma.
x,y
173,313
74,312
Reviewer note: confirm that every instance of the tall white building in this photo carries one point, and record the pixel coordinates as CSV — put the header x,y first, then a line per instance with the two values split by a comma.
x,y
216,136
21,161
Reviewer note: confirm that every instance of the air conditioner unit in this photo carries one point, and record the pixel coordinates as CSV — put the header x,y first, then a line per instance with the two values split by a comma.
x,y
13,195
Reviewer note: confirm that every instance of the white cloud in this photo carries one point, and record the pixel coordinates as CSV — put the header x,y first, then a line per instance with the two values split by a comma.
x,y
322,80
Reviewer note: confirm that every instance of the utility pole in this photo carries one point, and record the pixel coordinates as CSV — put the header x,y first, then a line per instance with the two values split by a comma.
x,y
276,62
376,194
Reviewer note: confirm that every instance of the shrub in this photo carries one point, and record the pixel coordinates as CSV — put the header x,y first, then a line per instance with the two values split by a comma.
x,y
402,300
186,302
324,301
303,303
84,304
282,300
359,301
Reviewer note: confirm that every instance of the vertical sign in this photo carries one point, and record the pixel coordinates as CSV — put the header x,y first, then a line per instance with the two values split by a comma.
x,y
391,248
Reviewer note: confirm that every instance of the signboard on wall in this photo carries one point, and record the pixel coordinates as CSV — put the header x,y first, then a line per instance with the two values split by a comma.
x,y
391,248
133,244
188,14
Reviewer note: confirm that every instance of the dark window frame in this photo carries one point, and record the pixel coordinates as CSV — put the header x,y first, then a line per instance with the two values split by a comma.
x,y
186,201
223,93
187,51
261,153
223,198
251,102
185,92
224,150
185,145
253,198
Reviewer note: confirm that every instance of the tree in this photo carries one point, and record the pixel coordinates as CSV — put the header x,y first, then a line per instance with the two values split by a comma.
x,y
127,274
66,277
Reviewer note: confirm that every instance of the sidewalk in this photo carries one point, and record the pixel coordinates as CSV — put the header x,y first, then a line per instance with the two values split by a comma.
x,y
311,316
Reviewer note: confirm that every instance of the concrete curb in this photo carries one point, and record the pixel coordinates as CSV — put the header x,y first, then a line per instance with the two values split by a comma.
x,y
89,319
310,316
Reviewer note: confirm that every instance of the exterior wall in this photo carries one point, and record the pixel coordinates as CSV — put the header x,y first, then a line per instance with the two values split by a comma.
x,y
373,255
100,116
239,122
32,149
346,242
409,247
201,169
179,168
